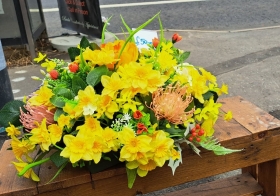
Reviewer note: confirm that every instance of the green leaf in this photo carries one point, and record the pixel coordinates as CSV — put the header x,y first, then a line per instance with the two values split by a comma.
x,y
212,144
57,113
94,77
57,101
57,159
209,94
184,56
131,176
103,30
84,43
78,84
73,52
10,113
63,92
58,172
83,63
2,130
126,26
94,46
193,147
136,30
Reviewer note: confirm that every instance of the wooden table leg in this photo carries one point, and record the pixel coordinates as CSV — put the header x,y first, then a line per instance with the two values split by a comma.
x,y
269,177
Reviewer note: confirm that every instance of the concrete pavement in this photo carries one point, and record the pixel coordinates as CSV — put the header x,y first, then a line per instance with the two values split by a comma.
x,y
248,61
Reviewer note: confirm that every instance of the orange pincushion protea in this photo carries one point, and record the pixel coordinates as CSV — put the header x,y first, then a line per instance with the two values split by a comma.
x,y
170,103
36,114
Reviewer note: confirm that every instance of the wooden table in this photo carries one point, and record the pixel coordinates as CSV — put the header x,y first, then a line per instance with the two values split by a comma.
x,y
252,129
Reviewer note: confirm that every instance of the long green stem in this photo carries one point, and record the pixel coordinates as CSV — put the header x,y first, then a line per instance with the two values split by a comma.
x,y
27,167
58,147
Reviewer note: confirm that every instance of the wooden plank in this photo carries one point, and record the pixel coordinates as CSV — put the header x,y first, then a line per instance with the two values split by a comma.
x,y
68,177
250,116
10,183
243,184
269,177
231,133
193,168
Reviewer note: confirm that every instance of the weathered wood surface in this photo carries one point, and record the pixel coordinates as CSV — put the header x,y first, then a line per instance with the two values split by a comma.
x,y
252,129
243,184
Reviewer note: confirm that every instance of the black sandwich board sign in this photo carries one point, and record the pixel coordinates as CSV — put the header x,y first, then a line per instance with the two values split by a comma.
x,y
82,16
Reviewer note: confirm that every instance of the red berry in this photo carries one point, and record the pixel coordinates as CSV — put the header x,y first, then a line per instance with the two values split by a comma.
x,y
201,132
194,134
54,74
73,67
198,139
191,138
197,126
193,130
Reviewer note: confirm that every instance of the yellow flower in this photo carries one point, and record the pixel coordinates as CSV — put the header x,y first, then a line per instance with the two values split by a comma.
x,y
208,76
107,106
42,97
30,173
90,128
21,148
129,54
228,116
142,169
162,148
55,133
41,136
127,103
112,84
167,47
166,61
98,146
132,145
111,138
40,57
72,110
223,89
12,131
208,124
175,154
64,121
77,148
50,65
88,100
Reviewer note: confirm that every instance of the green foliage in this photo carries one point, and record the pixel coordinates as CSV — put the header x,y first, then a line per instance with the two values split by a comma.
x,y
84,43
78,84
73,52
94,77
57,159
212,144
183,57
131,176
10,113
57,101
63,92
57,113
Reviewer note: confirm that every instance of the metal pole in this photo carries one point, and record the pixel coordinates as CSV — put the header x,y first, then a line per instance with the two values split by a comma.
x,y
6,93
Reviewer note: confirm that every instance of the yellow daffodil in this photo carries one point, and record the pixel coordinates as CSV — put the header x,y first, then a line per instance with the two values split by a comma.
x,y
73,110
40,57
107,106
30,173
42,97
112,84
49,65
111,138
12,131
41,136
90,128
98,147
55,133
64,121
208,76
77,148
223,89
88,100
132,145
162,148
228,116
22,147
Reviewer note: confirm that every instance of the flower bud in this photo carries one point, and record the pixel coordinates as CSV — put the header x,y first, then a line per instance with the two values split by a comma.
x,y
54,74
35,78
155,42
176,37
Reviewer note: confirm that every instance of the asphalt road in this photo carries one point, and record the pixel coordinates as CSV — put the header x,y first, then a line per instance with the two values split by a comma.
x,y
214,15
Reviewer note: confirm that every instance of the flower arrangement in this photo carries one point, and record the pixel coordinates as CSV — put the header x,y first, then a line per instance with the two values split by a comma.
x,y
113,99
